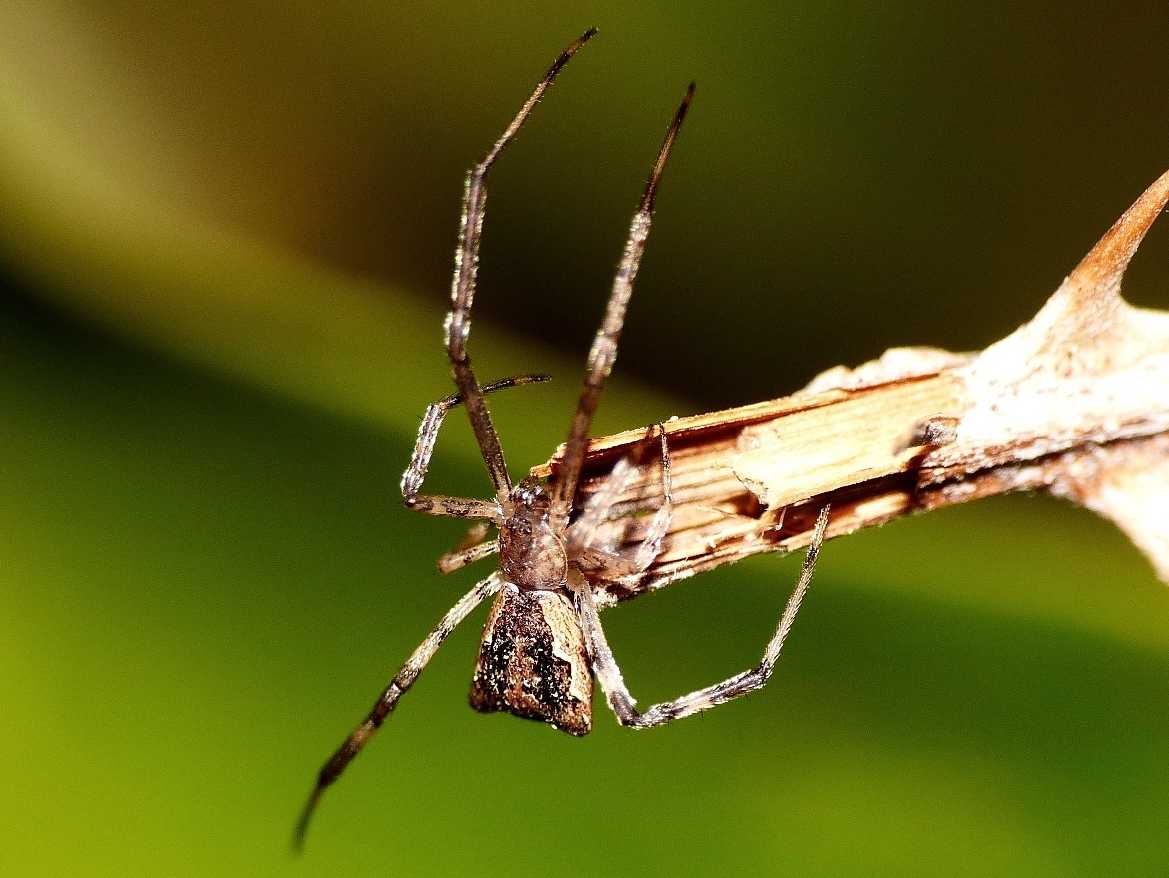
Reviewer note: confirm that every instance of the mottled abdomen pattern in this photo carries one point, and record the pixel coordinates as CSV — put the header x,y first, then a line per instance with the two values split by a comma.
x,y
532,661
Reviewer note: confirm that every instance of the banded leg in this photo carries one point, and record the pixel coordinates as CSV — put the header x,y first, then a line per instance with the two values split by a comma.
x,y
428,430
586,531
623,704
460,558
401,683
603,353
473,547
610,565
458,320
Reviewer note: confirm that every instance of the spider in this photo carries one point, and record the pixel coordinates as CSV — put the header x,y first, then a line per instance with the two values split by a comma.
x,y
543,642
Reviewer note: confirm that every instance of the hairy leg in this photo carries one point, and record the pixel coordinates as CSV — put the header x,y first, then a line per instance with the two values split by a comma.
x,y
458,320
415,473
388,700
622,703
460,558
603,353
599,560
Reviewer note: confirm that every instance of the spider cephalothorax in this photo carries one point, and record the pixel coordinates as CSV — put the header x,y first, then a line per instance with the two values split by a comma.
x,y
543,642
531,550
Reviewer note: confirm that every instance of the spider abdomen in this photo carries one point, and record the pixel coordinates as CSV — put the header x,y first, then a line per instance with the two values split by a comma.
x,y
532,661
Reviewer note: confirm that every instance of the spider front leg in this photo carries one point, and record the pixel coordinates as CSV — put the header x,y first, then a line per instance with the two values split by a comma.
x,y
603,353
461,557
617,694
388,700
598,560
458,320
412,479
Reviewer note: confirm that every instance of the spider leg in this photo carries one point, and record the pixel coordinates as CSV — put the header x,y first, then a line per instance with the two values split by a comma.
x,y
586,531
402,681
428,431
458,320
603,353
623,704
460,558
472,547
455,507
610,565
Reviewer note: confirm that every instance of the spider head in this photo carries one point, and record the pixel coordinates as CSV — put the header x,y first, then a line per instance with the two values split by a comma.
x,y
530,495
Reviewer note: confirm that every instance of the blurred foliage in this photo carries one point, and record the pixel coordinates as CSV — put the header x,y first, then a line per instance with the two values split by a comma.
x,y
228,235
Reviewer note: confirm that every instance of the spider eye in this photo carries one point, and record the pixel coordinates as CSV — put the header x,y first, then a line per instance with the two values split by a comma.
x,y
530,493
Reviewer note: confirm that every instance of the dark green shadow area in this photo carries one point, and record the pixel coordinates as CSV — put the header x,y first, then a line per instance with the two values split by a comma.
x,y
204,587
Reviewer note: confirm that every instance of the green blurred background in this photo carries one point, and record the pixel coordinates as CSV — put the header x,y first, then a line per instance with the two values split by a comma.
x,y
225,236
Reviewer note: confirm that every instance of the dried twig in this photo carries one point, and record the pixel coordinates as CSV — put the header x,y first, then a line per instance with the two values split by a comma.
x,y
1075,402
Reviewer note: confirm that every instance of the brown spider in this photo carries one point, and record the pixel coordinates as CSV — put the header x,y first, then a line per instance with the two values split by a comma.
x,y
543,640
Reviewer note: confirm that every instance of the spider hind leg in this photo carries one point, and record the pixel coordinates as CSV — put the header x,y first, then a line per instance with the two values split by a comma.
x,y
623,703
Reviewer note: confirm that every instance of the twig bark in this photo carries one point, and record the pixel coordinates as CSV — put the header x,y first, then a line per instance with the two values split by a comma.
x,y
1075,402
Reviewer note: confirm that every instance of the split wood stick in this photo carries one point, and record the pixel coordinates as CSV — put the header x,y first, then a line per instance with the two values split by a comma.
x,y
1075,402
